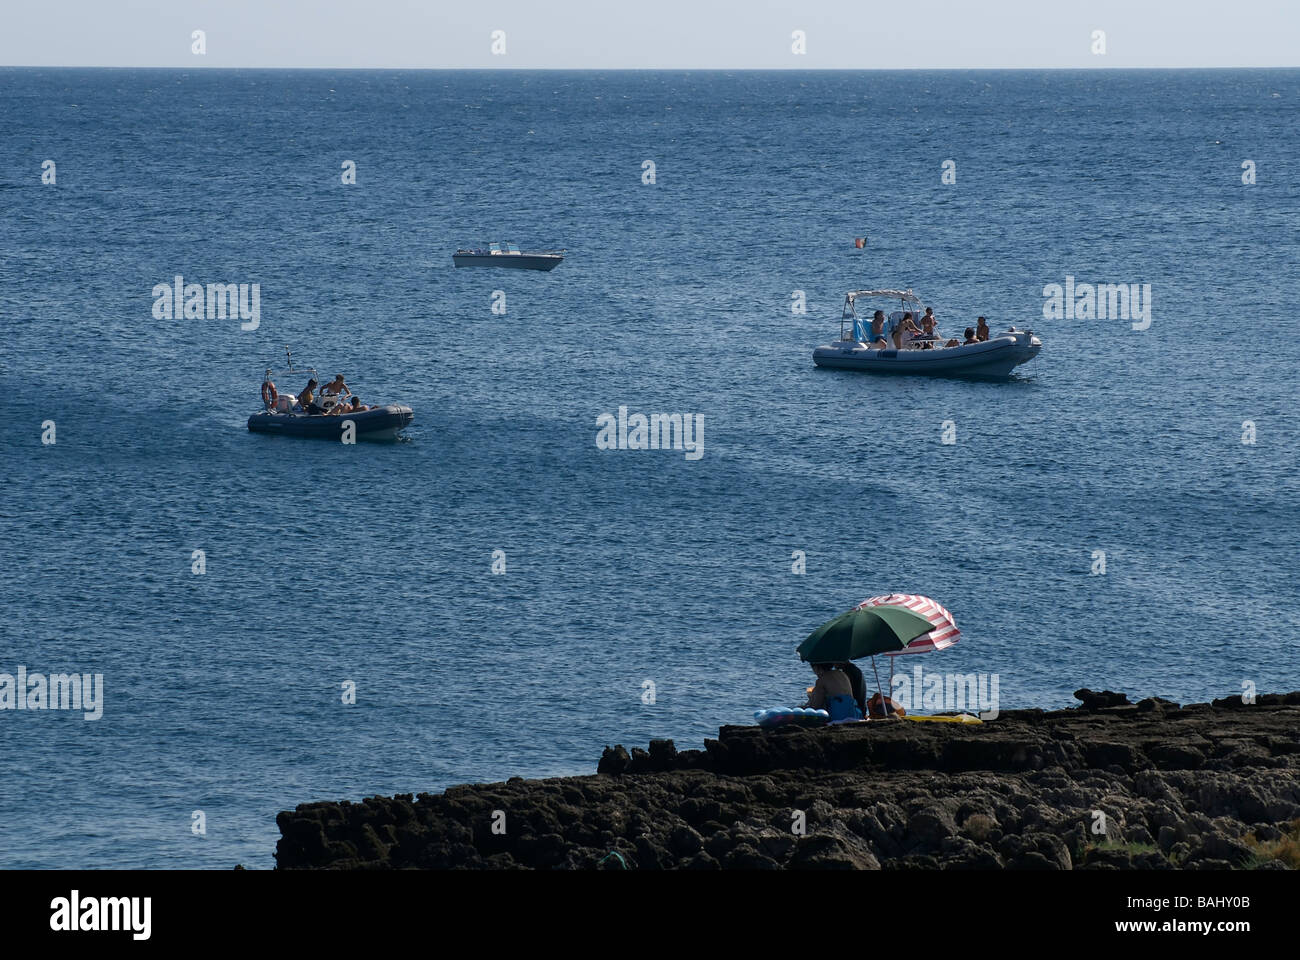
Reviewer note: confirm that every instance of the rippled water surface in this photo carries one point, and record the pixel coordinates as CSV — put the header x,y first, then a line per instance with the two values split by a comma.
x,y
372,564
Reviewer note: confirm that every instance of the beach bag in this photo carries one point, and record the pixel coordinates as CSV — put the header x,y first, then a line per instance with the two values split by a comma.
x,y
877,711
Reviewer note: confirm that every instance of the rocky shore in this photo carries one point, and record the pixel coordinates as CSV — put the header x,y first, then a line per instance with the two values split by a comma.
x,y
1109,784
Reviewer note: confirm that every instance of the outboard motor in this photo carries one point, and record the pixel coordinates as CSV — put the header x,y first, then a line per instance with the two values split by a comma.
x,y
1027,343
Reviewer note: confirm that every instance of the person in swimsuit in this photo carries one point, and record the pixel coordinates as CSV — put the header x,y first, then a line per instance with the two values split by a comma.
x,y
833,693
343,409
930,332
970,336
856,682
307,399
981,329
905,332
878,329
336,387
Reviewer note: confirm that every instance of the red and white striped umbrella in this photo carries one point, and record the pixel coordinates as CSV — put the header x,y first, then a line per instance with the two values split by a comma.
x,y
944,634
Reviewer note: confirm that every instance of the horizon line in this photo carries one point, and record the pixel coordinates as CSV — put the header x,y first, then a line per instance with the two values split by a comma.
x,y
425,69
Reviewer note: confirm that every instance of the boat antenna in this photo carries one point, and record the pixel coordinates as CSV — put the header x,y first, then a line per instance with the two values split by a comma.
x,y
288,357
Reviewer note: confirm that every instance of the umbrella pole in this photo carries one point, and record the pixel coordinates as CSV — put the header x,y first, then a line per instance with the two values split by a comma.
x,y
883,705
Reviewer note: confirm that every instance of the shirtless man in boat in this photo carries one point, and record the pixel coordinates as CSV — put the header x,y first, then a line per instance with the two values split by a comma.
x,y
878,329
343,409
336,387
307,399
931,333
981,329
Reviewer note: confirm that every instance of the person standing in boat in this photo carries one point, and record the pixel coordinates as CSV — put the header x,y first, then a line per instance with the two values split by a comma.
x,y
981,329
931,332
336,387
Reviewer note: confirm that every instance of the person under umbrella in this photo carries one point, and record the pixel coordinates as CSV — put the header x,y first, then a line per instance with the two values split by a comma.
x,y
833,693
857,682
864,631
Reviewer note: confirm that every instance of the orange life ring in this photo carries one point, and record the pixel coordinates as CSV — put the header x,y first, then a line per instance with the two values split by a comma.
x,y
269,388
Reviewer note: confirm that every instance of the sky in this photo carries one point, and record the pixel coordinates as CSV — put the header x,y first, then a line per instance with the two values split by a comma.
x,y
651,34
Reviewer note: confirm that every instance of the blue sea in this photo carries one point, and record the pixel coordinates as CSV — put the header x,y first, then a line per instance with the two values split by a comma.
x,y
644,594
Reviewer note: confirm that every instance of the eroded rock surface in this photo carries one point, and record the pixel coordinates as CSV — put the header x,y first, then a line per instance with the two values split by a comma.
x,y
1108,785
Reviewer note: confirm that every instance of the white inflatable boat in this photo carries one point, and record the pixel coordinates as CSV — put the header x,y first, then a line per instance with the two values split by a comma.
x,y
994,357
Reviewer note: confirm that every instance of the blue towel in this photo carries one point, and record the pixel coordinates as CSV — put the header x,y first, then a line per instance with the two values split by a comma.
x,y
842,707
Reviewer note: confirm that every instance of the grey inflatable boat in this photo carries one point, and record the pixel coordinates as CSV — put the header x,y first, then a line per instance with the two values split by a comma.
x,y
377,423
931,356
282,414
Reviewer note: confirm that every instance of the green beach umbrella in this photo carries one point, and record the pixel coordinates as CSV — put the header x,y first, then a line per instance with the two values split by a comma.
x,y
863,632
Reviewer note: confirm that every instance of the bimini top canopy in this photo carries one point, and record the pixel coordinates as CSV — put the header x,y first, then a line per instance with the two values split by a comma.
x,y
850,311
906,295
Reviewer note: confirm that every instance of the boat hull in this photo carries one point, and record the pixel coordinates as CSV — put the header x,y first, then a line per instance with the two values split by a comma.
x,y
995,357
381,423
523,261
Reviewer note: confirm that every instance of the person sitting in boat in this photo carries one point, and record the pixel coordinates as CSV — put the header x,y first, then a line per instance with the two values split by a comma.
x,y
833,693
970,337
307,399
355,406
878,336
981,329
905,332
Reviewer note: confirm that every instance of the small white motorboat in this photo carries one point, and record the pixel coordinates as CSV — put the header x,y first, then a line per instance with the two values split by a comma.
x,y
508,255
994,357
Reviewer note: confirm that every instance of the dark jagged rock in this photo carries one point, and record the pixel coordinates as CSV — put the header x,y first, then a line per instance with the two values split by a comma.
x,y
613,761
1099,701
1109,785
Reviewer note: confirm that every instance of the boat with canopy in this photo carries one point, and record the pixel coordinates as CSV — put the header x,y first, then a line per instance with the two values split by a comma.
x,y
854,350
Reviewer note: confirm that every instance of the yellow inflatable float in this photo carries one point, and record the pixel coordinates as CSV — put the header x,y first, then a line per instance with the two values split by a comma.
x,y
959,718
